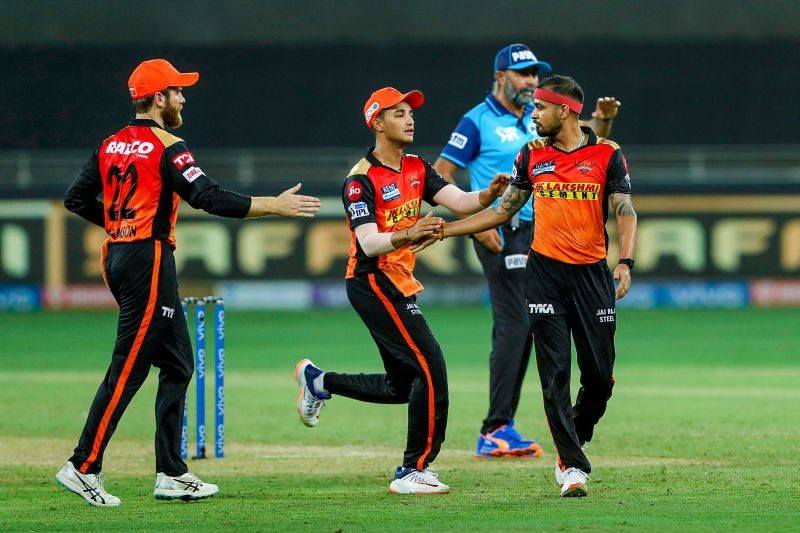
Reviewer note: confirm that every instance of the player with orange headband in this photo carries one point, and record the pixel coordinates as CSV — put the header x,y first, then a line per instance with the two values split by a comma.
x,y
572,175
485,142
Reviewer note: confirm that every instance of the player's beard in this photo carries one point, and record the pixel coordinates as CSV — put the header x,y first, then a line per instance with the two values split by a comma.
x,y
172,116
552,131
519,98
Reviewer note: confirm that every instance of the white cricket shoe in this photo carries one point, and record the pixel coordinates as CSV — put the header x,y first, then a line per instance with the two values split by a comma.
x,y
309,404
574,485
186,487
561,475
413,481
87,486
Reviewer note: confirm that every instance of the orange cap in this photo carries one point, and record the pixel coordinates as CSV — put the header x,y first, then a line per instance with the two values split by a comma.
x,y
156,75
388,97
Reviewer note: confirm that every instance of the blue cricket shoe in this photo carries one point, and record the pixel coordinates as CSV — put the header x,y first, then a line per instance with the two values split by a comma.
x,y
505,441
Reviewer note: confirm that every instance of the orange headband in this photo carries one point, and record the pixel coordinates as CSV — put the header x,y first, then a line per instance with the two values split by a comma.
x,y
553,98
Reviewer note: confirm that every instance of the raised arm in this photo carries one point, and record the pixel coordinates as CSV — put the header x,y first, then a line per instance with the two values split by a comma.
x,y
603,115
626,232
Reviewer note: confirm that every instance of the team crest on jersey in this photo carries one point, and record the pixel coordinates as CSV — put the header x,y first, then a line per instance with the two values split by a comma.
x,y
545,167
358,210
585,166
390,192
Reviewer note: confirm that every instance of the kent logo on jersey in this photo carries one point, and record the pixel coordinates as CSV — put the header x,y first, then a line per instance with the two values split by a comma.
x,y
545,167
390,192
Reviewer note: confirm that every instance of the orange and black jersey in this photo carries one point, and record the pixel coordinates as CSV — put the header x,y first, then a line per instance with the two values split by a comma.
x,y
570,195
142,172
378,194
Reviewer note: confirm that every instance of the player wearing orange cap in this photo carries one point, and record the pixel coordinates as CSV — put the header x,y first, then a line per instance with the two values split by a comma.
x,y
142,172
382,197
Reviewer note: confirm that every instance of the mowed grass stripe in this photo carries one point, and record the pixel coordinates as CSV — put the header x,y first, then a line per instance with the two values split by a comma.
x,y
700,433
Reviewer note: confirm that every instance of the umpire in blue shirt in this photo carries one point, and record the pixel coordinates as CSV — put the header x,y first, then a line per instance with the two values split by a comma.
x,y
486,141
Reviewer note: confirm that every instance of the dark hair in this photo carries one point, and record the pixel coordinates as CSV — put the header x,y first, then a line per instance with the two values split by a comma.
x,y
563,85
144,105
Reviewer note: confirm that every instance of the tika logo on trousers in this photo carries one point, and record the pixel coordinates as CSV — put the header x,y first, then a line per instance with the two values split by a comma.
x,y
167,311
541,309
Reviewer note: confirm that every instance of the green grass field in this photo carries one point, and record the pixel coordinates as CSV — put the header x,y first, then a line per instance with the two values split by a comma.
x,y
703,431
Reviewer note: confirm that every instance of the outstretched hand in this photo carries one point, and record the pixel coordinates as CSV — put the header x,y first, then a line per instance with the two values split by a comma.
x,y
425,226
290,204
607,108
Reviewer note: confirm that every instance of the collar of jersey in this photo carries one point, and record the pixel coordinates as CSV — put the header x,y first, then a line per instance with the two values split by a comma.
x,y
144,122
499,109
375,162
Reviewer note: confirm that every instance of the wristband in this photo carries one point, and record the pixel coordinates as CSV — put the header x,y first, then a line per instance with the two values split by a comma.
x,y
408,235
627,261
609,119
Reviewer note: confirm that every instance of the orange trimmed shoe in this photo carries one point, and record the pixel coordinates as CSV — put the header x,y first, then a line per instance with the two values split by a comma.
x,y
505,441
309,402
574,483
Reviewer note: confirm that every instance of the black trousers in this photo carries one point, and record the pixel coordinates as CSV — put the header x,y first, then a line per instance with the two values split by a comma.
x,y
415,369
511,339
151,330
572,300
